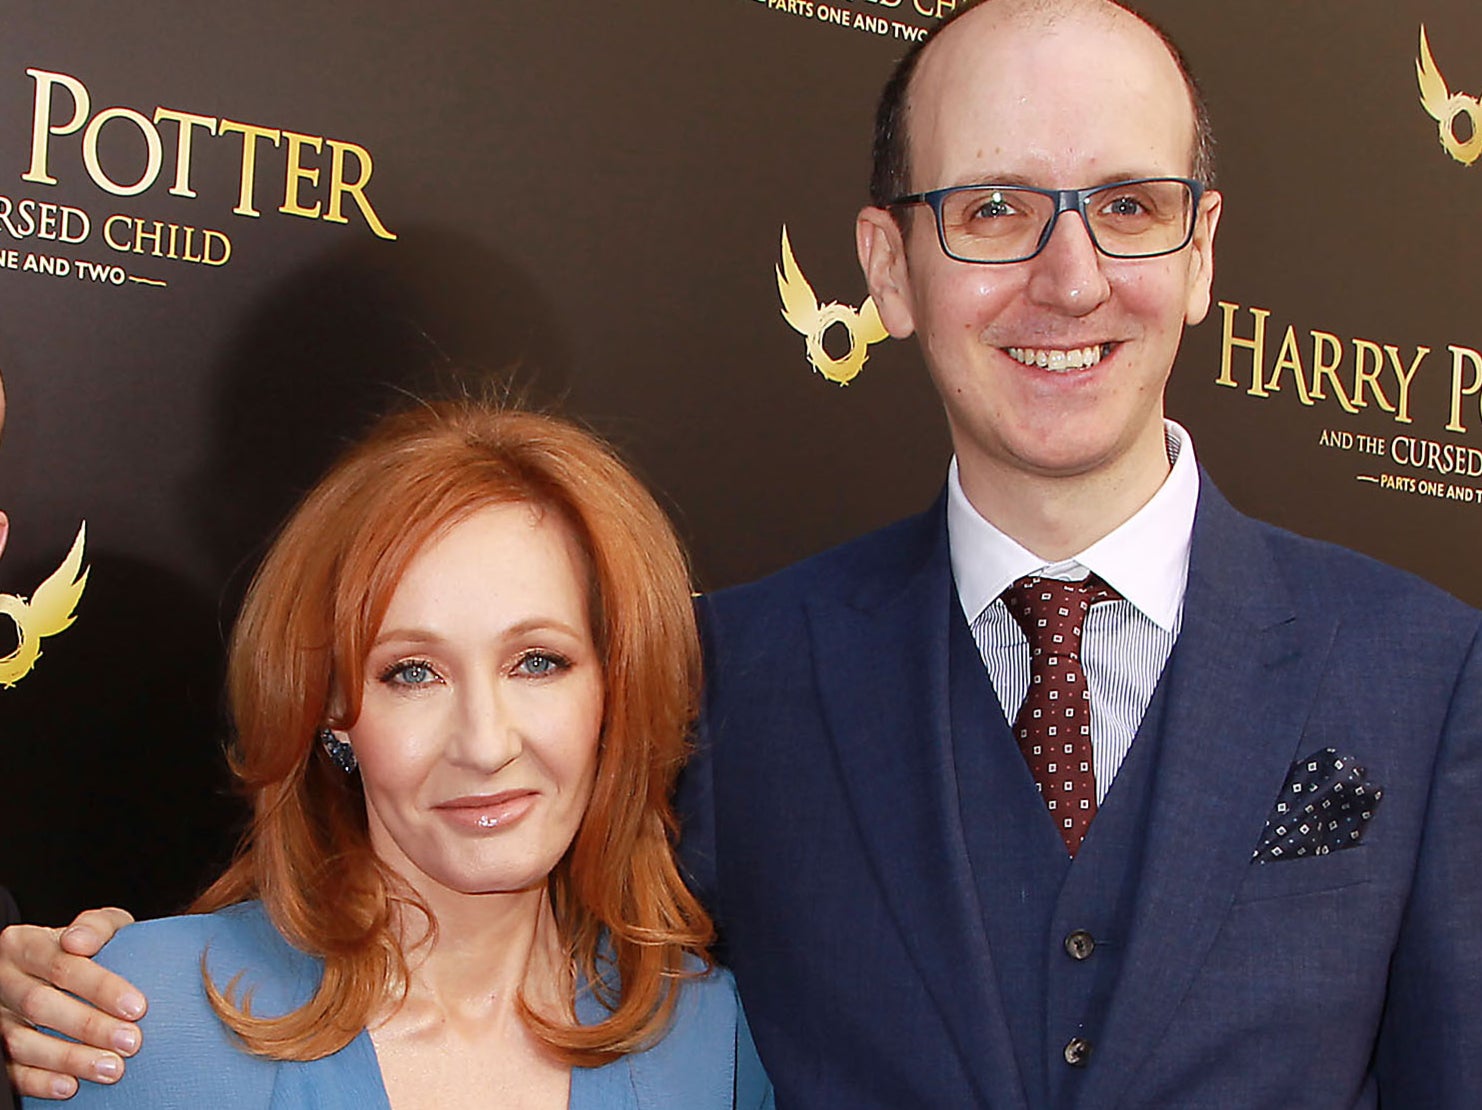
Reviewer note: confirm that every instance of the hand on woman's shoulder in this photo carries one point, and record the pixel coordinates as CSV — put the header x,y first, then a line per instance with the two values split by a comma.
x,y
188,1057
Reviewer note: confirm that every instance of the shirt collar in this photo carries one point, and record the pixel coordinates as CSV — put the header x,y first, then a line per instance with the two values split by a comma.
x,y
1146,557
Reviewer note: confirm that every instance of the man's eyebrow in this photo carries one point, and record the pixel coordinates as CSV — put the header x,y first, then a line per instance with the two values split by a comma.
x,y
1017,180
1133,175
995,179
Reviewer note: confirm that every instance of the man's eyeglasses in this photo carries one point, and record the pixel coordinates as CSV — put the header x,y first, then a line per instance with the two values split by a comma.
x,y
1141,218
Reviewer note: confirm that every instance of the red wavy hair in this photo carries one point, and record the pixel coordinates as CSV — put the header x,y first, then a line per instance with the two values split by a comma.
x,y
297,662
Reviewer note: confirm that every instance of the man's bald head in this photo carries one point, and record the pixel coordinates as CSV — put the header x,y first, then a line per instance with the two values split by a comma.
x,y
890,175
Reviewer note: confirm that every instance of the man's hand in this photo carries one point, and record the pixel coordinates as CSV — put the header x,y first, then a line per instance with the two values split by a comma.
x,y
36,966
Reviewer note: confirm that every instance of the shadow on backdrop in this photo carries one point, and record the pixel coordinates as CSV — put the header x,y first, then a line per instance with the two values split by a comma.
x,y
123,797
116,797
359,332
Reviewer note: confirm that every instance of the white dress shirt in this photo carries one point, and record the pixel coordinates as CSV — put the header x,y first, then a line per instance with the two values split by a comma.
x,y
1126,642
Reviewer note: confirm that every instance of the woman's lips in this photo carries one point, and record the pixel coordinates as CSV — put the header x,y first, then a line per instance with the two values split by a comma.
x,y
483,812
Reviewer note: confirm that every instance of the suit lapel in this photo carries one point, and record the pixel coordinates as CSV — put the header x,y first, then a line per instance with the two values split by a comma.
x,y
882,672
1242,679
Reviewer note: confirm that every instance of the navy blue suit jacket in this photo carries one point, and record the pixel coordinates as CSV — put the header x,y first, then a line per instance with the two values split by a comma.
x,y
823,826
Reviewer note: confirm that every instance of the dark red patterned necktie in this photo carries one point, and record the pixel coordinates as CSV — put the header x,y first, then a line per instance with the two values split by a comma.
x,y
1054,723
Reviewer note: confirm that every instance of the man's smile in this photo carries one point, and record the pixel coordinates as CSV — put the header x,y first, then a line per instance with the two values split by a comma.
x,y
1059,358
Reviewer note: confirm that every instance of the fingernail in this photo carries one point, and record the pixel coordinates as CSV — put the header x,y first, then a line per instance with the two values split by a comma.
x,y
126,1040
80,934
131,1005
63,1087
108,1068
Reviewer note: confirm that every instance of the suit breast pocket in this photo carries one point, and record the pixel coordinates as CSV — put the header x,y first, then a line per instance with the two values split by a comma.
x,y
1309,875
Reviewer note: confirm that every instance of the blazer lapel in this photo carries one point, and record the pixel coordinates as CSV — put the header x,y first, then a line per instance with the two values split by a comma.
x,y
1242,679
881,659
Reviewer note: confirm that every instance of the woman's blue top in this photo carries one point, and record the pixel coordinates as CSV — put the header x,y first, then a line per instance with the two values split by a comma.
x,y
190,1060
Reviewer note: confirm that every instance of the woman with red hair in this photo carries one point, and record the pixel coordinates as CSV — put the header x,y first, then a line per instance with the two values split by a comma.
x,y
461,685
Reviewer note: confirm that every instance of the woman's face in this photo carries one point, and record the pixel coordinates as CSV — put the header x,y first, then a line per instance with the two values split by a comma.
x,y
479,719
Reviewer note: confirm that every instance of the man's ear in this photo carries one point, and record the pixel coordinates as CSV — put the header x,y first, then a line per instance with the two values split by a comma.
x,y
1201,265
882,257
4,531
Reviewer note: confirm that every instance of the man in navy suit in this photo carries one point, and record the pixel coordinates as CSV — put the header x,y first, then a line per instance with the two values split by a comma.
x,y
1270,893
1276,900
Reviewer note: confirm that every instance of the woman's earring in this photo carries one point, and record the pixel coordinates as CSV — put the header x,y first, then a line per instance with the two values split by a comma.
x,y
339,751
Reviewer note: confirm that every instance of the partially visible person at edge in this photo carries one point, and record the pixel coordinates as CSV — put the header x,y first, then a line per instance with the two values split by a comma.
x,y
9,914
461,684
4,520
909,922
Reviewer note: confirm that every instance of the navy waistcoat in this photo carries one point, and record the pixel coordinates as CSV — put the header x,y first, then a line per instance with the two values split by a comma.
x,y
1057,928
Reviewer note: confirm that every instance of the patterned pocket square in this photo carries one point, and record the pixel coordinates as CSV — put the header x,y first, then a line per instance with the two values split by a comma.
x,y
1323,807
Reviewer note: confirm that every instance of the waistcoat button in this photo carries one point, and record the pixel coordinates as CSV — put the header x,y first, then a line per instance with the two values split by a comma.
x,y
1079,944
1077,1052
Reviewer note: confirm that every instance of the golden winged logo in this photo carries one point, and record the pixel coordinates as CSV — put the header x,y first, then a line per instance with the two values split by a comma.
x,y
801,309
1445,107
51,610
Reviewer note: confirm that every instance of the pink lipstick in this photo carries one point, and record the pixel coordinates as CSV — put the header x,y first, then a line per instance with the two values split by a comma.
x,y
487,812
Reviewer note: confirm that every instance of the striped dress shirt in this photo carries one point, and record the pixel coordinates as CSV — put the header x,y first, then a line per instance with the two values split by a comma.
x,y
1125,643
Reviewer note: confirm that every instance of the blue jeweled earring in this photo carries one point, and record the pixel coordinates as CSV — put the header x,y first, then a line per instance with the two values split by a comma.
x,y
341,754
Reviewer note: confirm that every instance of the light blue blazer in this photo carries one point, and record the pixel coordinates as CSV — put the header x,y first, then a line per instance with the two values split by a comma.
x,y
190,1060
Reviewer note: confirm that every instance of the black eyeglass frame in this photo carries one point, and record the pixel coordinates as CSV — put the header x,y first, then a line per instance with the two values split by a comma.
x,y
1066,200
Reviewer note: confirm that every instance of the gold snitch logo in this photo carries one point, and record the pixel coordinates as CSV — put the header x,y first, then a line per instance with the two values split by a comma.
x,y
51,610
1445,107
801,309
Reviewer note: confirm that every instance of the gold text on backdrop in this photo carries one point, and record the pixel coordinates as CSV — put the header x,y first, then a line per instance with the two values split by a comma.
x,y
1379,372
843,15
932,9
350,164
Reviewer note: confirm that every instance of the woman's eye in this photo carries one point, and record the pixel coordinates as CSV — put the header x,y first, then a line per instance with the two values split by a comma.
x,y
539,664
411,672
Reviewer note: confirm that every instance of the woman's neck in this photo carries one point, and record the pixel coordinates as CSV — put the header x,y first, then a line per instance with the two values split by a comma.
x,y
457,1038
486,950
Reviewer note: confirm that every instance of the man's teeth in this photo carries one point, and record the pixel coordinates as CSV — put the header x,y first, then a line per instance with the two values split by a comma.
x,y
1049,358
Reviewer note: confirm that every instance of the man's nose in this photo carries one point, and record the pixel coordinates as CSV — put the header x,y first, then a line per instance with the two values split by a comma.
x,y
1067,275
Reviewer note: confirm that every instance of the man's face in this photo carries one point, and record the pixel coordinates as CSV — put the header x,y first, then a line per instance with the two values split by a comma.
x,y
1081,102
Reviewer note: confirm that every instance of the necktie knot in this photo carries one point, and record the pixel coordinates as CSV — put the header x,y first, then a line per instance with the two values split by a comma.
x,y
1052,612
